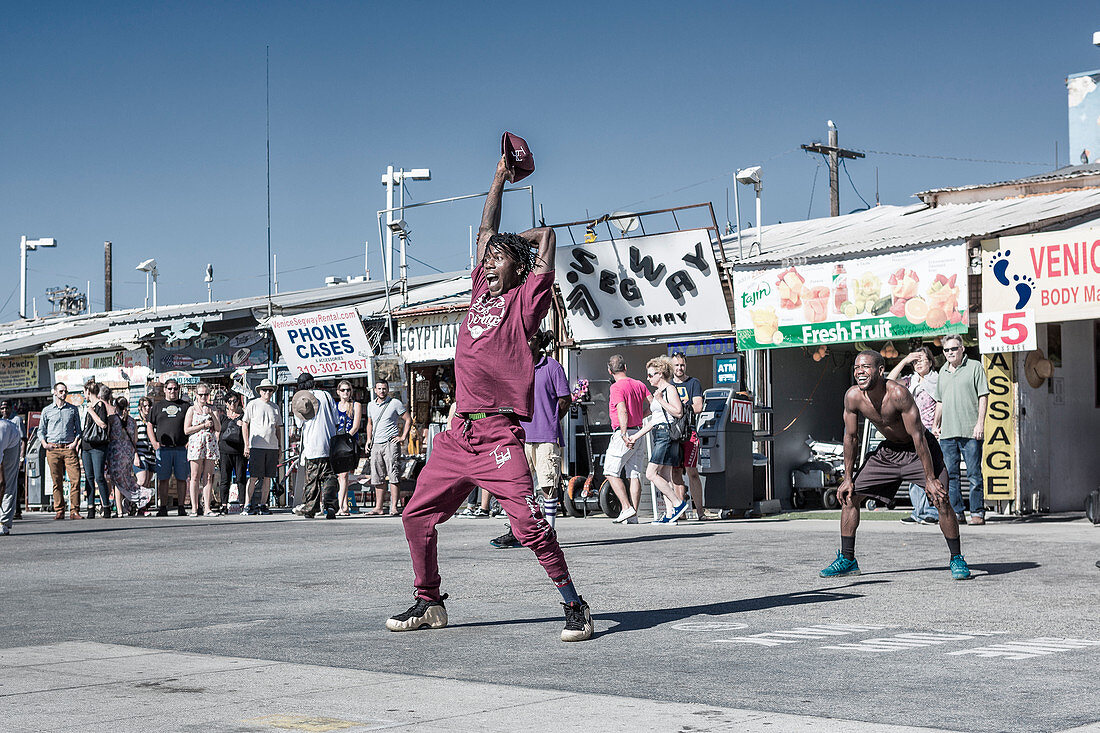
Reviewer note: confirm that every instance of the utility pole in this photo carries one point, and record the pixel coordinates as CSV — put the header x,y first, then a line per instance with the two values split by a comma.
x,y
835,153
108,279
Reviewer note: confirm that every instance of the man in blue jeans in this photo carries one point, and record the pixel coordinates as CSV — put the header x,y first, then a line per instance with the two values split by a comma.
x,y
166,435
961,397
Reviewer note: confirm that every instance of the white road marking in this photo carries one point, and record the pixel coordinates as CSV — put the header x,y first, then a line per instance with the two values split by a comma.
x,y
1028,649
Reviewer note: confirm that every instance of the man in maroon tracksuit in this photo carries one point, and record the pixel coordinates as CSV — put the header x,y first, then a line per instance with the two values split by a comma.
x,y
494,371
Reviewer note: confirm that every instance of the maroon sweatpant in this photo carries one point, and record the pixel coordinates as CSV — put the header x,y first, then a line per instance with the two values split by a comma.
x,y
486,453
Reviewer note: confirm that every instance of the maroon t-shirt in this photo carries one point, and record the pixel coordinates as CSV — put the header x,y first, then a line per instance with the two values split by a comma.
x,y
494,368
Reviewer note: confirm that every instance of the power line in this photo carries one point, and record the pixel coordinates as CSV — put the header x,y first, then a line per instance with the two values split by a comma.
x,y
845,167
724,174
813,190
951,157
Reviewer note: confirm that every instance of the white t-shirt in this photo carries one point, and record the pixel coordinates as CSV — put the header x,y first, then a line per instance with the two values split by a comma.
x,y
263,420
317,433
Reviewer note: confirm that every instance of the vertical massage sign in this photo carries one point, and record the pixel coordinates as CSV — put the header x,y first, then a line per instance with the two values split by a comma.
x,y
901,295
642,287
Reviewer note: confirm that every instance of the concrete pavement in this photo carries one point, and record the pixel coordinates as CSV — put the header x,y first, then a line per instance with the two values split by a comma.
x,y
720,616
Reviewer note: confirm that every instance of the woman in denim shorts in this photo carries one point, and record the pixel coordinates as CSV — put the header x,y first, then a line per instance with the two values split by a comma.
x,y
664,407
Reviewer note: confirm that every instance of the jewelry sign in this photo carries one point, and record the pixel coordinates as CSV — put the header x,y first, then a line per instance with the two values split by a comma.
x,y
642,287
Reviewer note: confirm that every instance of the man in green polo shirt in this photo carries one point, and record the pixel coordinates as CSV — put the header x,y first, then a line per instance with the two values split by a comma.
x,y
961,397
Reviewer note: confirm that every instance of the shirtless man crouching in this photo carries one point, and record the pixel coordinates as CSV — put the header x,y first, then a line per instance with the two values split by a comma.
x,y
908,453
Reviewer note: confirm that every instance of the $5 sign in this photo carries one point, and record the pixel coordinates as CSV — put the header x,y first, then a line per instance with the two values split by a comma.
x,y
1006,331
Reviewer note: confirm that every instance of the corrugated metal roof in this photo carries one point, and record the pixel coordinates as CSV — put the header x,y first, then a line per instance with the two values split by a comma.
x,y
885,228
1066,173
129,338
33,336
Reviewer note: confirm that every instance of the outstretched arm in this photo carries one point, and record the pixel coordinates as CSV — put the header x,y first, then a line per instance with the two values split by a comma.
x,y
545,242
490,215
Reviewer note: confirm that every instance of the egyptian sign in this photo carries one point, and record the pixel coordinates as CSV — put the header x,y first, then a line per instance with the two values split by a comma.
x,y
322,343
896,296
429,337
642,287
110,367
18,372
1054,274
999,446
203,351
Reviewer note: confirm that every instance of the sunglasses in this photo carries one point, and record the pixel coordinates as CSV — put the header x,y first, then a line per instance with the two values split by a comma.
x,y
949,349
202,394
343,389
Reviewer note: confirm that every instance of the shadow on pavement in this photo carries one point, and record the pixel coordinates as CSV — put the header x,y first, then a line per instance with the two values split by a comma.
x,y
647,619
1000,568
989,568
632,540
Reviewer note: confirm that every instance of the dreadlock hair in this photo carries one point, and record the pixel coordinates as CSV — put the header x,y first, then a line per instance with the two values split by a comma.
x,y
518,248
542,340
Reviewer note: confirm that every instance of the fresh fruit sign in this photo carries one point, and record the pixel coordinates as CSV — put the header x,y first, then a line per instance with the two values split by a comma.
x,y
901,295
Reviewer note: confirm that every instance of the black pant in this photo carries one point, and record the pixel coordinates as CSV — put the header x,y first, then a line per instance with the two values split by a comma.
x,y
95,476
321,488
233,465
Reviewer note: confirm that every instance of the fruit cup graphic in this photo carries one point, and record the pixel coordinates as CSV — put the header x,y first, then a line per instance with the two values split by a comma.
x,y
943,301
815,303
765,324
789,285
868,287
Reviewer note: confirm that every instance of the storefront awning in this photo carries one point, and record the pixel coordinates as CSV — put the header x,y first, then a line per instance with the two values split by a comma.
x,y
130,338
891,228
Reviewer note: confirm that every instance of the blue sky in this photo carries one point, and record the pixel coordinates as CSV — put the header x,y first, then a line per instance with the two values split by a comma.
x,y
144,123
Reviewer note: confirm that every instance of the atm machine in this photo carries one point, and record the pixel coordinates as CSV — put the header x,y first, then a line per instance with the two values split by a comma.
x,y
725,450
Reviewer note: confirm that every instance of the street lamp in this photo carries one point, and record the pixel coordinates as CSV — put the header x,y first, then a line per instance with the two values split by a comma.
x,y
25,245
149,267
390,179
748,176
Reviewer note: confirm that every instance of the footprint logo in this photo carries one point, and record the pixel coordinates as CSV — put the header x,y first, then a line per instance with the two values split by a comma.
x,y
1024,288
1000,267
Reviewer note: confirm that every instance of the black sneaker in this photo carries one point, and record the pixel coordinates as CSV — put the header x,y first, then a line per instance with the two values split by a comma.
x,y
162,511
181,512
908,519
330,513
578,622
423,613
264,509
505,541
252,510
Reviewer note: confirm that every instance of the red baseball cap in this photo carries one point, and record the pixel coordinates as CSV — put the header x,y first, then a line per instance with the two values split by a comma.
x,y
518,154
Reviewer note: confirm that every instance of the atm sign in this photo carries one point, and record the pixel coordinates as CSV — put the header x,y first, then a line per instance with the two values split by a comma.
x,y
741,412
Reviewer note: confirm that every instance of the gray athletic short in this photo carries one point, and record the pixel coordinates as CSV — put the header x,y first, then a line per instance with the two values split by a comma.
x,y
890,464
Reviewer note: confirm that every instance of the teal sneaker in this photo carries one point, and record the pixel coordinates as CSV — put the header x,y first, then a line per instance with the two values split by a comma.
x,y
959,569
843,566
